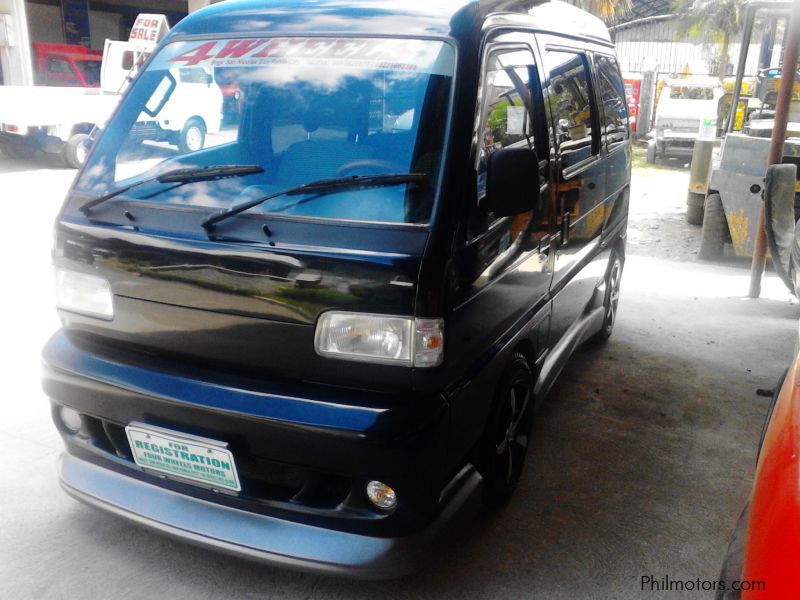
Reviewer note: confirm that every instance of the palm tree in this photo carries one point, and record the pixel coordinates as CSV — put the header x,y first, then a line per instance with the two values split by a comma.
x,y
715,21
608,10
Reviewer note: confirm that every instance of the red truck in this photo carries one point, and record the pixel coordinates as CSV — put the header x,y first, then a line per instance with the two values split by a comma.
x,y
66,65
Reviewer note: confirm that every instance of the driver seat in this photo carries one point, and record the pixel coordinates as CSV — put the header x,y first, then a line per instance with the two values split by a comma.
x,y
314,159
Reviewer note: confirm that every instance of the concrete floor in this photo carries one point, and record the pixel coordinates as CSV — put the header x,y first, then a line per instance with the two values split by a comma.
x,y
642,457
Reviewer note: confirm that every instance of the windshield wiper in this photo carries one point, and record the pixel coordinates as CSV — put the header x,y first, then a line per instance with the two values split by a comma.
x,y
185,175
321,186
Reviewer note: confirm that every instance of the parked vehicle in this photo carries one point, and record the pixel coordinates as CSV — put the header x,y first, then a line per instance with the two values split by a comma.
x,y
682,105
50,119
319,340
747,102
733,197
761,561
187,108
66,65
59,120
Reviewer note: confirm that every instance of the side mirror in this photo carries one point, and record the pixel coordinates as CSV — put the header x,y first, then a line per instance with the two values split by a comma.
x,y
161,95
780,223
512,182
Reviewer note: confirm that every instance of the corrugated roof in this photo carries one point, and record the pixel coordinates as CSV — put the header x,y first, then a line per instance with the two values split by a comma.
x,y
648,8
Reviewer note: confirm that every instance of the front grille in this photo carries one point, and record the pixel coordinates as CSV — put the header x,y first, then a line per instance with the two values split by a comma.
x,y
682,125
148,130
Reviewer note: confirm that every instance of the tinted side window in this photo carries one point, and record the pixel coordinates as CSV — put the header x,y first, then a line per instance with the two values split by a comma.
x,y
612,97
570,102
506,116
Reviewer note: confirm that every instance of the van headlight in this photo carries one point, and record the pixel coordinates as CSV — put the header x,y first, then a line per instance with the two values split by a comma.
x,y
85,294
380,339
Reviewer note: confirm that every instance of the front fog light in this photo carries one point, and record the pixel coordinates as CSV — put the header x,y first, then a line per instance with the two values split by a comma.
x,y
71,418
83,293
381,495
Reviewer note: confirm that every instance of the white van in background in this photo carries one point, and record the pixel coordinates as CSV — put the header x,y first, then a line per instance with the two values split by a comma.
x,y
682,106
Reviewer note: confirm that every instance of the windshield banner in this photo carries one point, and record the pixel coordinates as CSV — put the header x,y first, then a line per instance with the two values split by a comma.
x,y
420,56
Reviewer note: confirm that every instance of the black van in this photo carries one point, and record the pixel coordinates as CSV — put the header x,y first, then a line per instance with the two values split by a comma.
x,y
317,337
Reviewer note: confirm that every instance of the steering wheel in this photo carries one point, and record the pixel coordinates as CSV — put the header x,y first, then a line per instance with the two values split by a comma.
x,y
371,165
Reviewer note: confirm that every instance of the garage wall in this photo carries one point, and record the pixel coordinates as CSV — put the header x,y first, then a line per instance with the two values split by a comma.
x,y
103,26
659,42
44,24
15,61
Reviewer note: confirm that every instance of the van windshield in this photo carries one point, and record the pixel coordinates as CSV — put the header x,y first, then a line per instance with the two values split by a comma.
x,y
303,109
691,92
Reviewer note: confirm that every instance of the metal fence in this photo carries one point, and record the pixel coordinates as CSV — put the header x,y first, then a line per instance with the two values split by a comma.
x,y
657,44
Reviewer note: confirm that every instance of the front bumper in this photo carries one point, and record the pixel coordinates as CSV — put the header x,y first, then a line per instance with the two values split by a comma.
x,y
304,454
264,538
676,143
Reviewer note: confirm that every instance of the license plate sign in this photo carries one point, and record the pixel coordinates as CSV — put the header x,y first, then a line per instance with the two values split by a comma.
x,y
199,460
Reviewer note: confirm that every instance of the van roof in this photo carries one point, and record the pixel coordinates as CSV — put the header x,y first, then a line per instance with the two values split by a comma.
x,y
458,19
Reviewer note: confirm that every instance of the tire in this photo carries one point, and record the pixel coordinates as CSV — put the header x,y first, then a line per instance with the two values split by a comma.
x,y
193,136
75,151
613,280
502,450
695,207
715,229
652,152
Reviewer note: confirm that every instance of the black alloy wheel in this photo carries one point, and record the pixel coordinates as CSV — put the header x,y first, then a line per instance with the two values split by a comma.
x,y
508,434
613,281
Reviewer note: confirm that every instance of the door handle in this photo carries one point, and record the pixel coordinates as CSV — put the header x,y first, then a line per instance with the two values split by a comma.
x,y
565,223
548,241
591,185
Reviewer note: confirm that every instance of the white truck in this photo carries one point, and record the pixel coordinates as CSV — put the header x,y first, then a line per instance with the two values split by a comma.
x,y
192,107
59,119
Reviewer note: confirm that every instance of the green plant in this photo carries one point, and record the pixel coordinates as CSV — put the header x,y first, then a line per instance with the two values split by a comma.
x,y
714,21
608,10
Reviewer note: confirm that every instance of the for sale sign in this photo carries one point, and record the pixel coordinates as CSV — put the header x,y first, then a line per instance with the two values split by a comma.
x,y
149,29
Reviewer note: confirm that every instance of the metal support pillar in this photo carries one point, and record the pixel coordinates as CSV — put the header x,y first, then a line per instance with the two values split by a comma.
x,y
790,53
